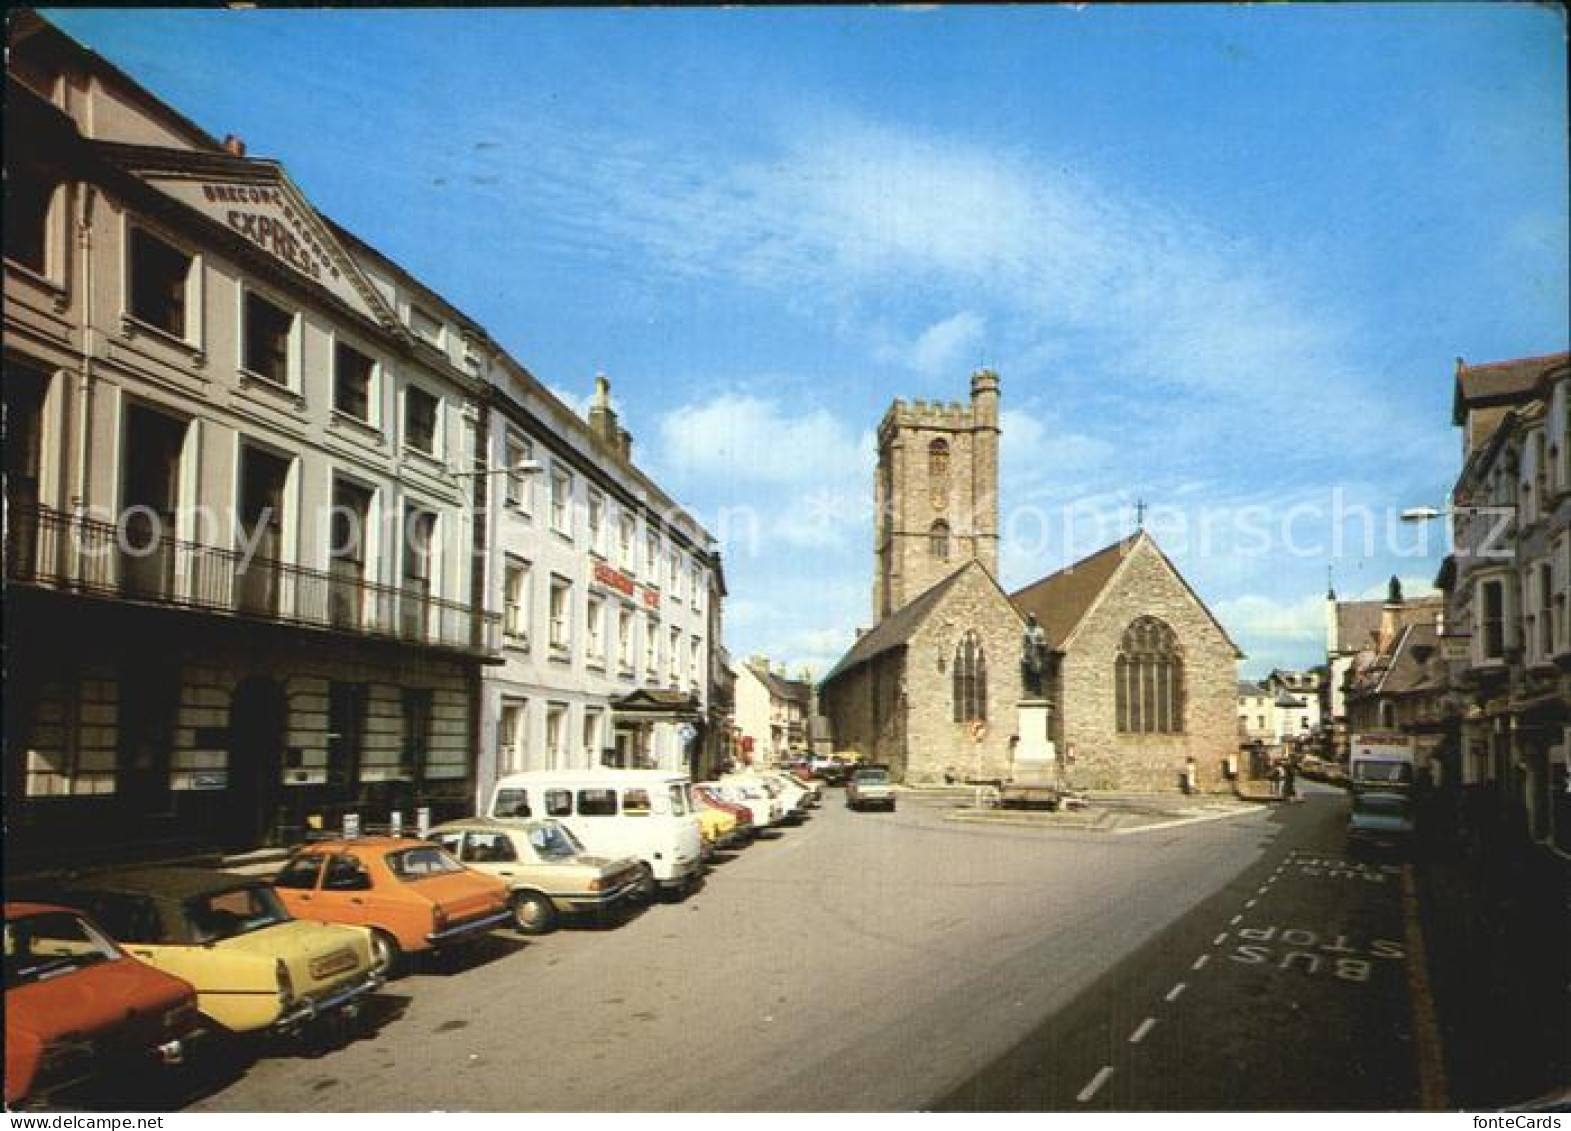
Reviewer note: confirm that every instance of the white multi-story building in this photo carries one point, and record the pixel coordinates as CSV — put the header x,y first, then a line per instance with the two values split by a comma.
x,y
239,591
772,712
604,585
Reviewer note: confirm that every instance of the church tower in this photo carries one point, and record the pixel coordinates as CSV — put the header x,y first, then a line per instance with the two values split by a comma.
x,y
935,493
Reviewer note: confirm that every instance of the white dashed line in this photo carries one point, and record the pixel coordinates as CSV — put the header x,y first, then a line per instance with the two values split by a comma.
x,y
1250,902
1172,994
1140,1034
1234,921
1201,961
1220,939
1096,1082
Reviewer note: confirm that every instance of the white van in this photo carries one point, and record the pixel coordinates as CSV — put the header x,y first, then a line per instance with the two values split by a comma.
x,y
647,814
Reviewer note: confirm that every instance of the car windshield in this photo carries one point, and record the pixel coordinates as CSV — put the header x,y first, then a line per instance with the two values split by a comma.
x,y
419,863
872,775
46,945
552,842
1396,772
238,911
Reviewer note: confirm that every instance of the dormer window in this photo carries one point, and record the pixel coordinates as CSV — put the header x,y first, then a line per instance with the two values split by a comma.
x,y
426,325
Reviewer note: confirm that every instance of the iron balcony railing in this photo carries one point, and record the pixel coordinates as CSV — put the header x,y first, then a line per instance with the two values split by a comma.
x,y
51,549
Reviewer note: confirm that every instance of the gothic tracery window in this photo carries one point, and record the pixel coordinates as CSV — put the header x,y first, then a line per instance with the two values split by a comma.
x,y
970,680
1149,680
938,540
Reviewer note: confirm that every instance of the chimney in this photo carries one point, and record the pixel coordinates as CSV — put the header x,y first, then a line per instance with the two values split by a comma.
x,y
234,145
1390,616
625,444
602,417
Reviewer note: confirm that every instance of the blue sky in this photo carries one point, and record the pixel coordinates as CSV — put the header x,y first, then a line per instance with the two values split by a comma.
x,y
1223,258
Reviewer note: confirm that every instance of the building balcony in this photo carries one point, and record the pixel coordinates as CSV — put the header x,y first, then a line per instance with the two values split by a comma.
x,y
66,553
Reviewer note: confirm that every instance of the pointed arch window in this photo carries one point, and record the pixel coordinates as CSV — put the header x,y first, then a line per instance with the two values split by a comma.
x,y
970,680
938,540
1148,679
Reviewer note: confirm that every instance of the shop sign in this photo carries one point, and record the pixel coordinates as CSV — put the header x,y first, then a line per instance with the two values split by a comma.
x,y
614,579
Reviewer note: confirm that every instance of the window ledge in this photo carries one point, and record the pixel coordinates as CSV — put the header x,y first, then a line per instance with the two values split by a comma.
x,y
43,279
342,419
253,380
515,643
432,461
132,327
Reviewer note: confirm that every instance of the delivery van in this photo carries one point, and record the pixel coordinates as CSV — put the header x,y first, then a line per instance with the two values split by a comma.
x,y
646,814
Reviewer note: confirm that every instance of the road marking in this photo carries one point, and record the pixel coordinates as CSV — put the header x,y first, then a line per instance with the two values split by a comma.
x,y
1172,994
1220,939
1140,1034
1426,1030
1096,1082
1250,902
1234,921
1201,961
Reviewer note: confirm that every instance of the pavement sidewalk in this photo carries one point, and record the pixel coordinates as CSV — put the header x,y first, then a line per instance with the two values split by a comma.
x,y
1497,926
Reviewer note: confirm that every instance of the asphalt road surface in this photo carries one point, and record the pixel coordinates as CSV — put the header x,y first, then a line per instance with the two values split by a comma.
x,y
870,961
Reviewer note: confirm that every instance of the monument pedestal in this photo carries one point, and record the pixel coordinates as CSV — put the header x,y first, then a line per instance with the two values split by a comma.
x,y
1035,746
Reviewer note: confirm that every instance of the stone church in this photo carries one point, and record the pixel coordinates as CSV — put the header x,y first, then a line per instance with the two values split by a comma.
x,y
1139,675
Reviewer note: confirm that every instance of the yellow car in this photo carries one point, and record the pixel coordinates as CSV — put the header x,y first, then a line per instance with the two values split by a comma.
x,y
253,966
717,827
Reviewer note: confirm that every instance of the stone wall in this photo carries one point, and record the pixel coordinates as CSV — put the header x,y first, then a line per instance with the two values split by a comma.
x,y
1146,585
938,744
863,710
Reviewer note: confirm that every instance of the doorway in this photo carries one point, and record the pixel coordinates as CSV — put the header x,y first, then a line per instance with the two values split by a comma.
x,y
258,725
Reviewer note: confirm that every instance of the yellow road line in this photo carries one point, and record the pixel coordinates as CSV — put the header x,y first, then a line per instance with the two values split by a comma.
x,y
1432,1091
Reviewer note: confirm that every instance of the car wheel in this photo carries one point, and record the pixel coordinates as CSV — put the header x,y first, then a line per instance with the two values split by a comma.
x,y
387,954
533,913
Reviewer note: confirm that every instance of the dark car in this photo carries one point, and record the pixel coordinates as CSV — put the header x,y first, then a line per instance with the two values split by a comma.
x,y
1380,821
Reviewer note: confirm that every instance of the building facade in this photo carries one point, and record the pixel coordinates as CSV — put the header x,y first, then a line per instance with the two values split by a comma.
x,y
290,537
1507,584
772,713
240,600
607,591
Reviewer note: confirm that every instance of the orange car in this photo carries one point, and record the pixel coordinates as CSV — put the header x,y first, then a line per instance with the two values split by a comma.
x,y
412,894
74,1001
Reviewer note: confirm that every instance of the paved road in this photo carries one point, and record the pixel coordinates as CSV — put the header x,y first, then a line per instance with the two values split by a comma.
x,y
895,962
1287,989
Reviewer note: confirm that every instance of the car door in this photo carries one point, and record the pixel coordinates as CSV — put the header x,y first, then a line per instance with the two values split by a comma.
x,y
296,884
347,893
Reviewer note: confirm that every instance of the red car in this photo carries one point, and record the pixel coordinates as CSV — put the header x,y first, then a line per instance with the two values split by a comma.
x,y
743,815
75,1003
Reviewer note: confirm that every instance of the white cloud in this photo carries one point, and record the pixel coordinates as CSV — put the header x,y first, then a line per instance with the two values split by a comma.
x,y
743,438
1254,617
948,346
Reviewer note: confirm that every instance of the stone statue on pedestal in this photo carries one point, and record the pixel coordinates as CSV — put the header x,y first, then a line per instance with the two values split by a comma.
x,y
1033,659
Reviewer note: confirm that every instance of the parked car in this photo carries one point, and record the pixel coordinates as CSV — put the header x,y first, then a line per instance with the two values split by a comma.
x,y
785,808
794,794
545,868
412,895
870,786
76,1003
647,814
814,787
717,827
1380,821
711,798
752,794
254,967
